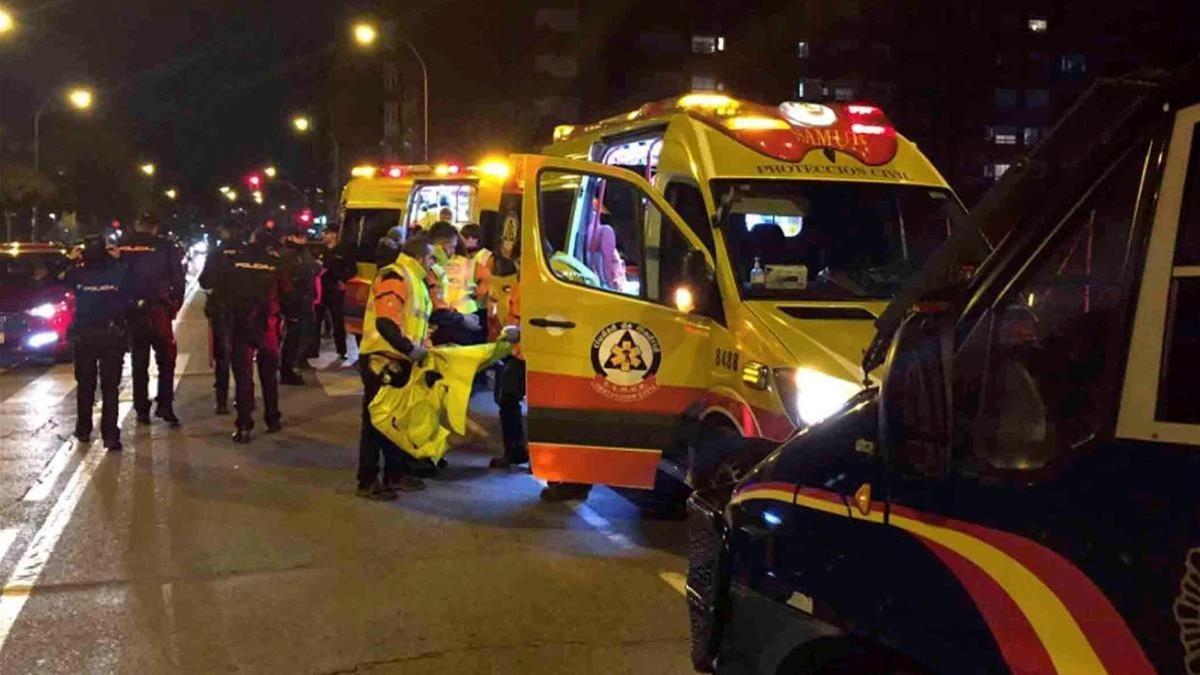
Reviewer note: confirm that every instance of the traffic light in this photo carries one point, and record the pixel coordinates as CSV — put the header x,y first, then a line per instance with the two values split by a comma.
x,y
254,181
305,217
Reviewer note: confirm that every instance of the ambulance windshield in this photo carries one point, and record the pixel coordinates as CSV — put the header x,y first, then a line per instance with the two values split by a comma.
x,y
813,240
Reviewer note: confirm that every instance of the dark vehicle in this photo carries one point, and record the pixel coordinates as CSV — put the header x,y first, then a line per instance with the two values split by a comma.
x,y
1022,491
36,308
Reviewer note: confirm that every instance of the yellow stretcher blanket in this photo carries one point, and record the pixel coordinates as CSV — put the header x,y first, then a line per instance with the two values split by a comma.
x,y
420,416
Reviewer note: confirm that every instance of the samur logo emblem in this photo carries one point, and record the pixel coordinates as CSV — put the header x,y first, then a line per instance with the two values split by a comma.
x,y
626,357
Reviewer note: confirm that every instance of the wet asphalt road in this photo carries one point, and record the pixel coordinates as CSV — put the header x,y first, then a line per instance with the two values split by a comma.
x,y
186,553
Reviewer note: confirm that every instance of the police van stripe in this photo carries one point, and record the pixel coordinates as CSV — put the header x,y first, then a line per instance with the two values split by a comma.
x,y
1089,636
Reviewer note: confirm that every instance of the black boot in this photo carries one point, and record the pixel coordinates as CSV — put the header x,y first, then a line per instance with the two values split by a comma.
x,y
166,413
241,436
113,445
222,408
291,379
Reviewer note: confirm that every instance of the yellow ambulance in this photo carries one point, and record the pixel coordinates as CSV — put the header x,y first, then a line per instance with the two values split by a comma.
x,y
718,268
380,198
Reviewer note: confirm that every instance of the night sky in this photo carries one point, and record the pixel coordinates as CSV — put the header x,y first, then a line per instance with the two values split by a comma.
x,y
205,88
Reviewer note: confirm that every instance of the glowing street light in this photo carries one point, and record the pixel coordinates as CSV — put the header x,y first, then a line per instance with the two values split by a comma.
x,y
270,172
225,189
301,123
231,195
7,23
148,169
366,34
171,194
80,98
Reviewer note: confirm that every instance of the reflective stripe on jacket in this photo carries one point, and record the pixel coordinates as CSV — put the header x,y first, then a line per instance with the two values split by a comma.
x,y
398,293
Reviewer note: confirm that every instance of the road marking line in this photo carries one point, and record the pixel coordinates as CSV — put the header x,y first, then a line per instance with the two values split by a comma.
x,y
676,581
7,537
601,524
49,476
49,389
20,584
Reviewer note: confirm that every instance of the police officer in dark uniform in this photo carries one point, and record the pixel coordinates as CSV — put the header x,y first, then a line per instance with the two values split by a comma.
x,y
220,312
102,303
256,285
156,282
338,267
300,309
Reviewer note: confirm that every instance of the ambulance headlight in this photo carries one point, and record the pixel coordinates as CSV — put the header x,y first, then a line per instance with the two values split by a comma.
x,y
810,396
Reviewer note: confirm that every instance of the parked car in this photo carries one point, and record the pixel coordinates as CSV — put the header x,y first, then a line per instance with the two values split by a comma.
x,y
36,308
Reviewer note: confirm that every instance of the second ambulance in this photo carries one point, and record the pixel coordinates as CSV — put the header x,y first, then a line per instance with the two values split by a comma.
x,y
718,269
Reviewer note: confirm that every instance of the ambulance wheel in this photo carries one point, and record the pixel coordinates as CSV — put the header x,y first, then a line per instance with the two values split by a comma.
x,y
717,456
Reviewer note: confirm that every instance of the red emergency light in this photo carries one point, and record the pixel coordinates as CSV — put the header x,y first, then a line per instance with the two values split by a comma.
x,y
395,171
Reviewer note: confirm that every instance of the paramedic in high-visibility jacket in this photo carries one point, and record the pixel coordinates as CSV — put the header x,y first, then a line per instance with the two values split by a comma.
x,y
395,333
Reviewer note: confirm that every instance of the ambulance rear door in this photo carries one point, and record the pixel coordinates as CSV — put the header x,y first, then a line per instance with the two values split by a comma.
x,y
615,297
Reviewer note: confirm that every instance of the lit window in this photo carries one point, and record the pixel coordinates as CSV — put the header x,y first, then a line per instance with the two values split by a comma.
x,y
705,83
1038,25
1032,135
1037,98
843,93
1072,64
1004,135
707,44
802,50
999,168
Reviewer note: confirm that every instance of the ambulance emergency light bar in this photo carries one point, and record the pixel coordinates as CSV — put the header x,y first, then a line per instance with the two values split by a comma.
x,y
788,131
493,167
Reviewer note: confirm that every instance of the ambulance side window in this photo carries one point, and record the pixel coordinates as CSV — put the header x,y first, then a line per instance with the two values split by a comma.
x,y
687,200
592,228
666,250
1036,375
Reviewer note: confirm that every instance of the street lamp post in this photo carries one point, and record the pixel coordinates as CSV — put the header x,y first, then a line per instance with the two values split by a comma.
x,y
79,98
366,35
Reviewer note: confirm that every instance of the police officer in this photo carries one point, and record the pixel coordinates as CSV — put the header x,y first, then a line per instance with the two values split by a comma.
x,y
102,303
255,284
337,267
220,312
156,281
300,308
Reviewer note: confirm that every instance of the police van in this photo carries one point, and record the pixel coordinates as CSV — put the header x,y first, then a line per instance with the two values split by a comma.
x,y
718,268
380,198
1022,491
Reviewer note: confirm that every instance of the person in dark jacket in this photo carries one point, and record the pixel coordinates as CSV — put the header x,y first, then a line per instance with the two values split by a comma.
x,y
102,303
219,311
300,309
338,267
156,283
255,284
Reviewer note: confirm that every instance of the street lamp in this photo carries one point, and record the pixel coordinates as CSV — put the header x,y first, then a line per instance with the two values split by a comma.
x,y
171,194
148,169
301,123
366,35
78,98
231,195
7,23
270,172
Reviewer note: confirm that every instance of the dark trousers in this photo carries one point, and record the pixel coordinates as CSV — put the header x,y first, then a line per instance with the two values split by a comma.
x,y
249,347
221,336
510,390
372,445
333,305
98,353
149,329
295,338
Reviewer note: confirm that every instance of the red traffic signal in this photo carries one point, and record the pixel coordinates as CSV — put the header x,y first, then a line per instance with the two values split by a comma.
x,y
254,181
305,217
